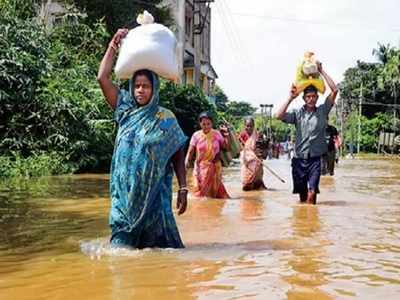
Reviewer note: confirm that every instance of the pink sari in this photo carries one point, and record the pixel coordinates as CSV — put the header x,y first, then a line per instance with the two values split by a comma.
x,y
207,172
252,167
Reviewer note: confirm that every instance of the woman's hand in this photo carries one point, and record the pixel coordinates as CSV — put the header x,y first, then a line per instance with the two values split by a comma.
x,y
187,164
224,130
189,156
115,42
217,158
178,161
181,202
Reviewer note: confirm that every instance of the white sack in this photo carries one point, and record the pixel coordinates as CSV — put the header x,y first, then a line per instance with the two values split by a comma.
x,y
148,46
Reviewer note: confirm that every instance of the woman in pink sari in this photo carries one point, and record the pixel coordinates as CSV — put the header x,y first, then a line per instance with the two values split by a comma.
x,y
207,173
251,158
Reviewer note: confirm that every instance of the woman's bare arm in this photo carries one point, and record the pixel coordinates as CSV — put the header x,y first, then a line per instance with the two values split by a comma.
x,y
189,156
110,91
178,161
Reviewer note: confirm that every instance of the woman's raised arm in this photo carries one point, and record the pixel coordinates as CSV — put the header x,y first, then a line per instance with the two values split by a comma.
x,y
110,91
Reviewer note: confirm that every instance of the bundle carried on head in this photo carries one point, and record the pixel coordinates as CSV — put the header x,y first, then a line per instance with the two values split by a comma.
x,y
149,46
307,74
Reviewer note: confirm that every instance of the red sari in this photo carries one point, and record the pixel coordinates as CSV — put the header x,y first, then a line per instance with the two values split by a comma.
x,y
252,167
207,171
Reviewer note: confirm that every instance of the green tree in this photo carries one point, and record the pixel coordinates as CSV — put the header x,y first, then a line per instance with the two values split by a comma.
x,y
363,80
22,9
379,85
221,99
383,52
24,49
122,13
280,130
389,77
240,109
50,101
380,82
187,102
370,130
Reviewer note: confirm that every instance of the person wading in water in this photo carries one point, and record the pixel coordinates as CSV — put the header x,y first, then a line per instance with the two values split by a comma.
x,y
148,149
310,122
252,155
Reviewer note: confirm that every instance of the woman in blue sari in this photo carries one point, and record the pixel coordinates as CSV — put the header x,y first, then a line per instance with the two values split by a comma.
x,y
148,148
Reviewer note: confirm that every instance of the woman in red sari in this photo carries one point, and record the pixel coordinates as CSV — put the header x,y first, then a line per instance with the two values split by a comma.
x,y
251,158
207,173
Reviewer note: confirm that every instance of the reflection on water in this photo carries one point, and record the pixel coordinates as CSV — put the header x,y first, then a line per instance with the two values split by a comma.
x,y
258,245
308,262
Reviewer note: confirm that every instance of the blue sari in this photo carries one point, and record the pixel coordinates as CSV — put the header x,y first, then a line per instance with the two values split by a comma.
x,y
141,173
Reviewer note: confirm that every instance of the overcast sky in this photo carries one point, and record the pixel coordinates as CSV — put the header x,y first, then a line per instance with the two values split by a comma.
x,y
257,44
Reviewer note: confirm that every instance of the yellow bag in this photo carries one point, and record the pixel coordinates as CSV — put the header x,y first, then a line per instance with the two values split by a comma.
x,y
307,74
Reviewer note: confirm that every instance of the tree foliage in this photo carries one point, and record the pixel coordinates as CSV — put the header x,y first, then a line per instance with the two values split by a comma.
x,y
377,83
370,130
221,99
379,86
50,100
51,105
187,102
240,109
122,13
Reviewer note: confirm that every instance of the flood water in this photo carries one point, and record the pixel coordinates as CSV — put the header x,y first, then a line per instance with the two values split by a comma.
x,y
258,245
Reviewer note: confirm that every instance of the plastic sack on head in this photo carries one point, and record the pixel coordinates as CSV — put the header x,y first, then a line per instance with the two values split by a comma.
x,y
307,74
149,46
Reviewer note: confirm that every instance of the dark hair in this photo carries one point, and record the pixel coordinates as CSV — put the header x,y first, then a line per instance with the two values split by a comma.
x,y
310,89
143,72
205,114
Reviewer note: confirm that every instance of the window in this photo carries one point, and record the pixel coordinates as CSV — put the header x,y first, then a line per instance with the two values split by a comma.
x,y
188,26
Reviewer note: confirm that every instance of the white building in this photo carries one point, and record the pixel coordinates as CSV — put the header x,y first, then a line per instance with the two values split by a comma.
x,y
193,30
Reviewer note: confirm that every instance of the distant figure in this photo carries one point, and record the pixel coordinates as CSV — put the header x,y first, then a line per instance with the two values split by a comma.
x,y
290,149
276,150
328,159
351,149
310,122
338,146
207,144
251,157
270,147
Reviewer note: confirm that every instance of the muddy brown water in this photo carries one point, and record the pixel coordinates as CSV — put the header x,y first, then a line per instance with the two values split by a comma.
x,y
258,245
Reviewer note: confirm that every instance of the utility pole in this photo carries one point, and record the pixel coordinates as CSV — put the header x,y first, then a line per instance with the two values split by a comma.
x,y
341,125
264,115
394,109
202,11
180,7
270,106
394,114
197,43
359,118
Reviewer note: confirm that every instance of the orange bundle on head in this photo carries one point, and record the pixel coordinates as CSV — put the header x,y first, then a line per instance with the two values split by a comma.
x,y
307,74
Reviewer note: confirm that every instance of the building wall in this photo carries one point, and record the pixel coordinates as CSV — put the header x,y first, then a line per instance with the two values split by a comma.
x,y
189,76
188,15
50,12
